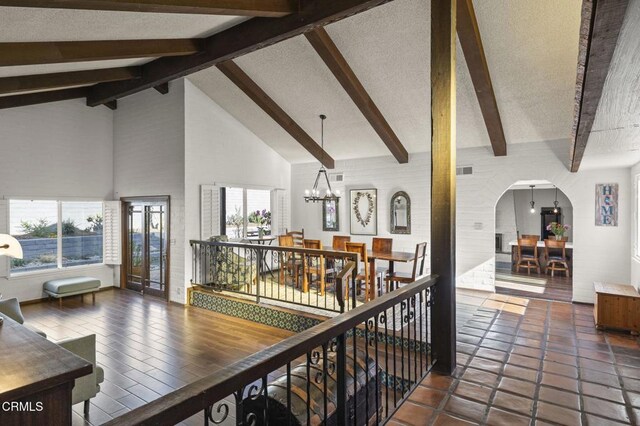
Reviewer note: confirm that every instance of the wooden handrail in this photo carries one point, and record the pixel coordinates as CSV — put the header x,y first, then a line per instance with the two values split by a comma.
x,y
195,397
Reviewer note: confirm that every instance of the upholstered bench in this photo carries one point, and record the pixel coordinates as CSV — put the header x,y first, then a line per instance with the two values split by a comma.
x,y
73,286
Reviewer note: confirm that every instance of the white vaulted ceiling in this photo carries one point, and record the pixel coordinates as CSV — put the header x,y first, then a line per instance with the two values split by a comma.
x,y
531,50
615,135
19,24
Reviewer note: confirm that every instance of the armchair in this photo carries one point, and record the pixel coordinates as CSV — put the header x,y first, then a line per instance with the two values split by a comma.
x,y
88,386
11,308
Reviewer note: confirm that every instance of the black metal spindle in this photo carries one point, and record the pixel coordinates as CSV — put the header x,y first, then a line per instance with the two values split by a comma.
x,y
289,416
308,388
395,357
325,366
341,379
355,377
265,391
403,320
377,375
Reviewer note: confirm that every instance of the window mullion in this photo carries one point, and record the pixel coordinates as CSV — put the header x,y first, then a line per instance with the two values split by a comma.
x,y
59,250
245,213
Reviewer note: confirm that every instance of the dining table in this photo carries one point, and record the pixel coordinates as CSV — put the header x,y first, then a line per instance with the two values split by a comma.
x,y
392,257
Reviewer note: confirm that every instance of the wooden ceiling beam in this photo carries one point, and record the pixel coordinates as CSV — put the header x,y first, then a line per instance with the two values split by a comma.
x,y
599,31
54,52
338,65
25,83
471,42
264,8
246,37
163,88
42,97
268,105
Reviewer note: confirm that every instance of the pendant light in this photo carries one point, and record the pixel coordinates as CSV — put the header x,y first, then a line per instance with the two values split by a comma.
x,y
555,203
532,203
313,195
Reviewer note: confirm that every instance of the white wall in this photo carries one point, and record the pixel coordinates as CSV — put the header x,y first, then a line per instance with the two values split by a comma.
x,y
56,150
382,173
600,253
635,260
149,160
220,150
513,213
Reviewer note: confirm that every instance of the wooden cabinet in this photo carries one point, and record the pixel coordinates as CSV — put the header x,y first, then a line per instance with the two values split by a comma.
x,y
617,306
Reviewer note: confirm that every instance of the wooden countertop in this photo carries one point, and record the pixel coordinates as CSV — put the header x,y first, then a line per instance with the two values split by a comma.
x,y
626,290
30,363
568,245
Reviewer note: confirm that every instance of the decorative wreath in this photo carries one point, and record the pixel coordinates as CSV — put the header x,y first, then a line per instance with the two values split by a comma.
x,y
356,208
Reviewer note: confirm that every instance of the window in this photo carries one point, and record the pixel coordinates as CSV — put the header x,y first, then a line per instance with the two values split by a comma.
x,y
35,225
81,233
245,211
56,234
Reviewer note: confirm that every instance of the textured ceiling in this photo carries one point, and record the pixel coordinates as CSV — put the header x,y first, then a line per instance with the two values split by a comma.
x,y
32,24
531,51
19,24
615,135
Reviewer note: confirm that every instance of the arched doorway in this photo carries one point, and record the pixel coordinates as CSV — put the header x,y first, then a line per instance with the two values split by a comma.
x,y
527,208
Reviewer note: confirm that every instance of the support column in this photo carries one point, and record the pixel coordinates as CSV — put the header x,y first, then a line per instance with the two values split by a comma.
x,y
443,182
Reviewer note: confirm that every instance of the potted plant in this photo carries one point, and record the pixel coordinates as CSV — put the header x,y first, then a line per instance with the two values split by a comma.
x,y
558,229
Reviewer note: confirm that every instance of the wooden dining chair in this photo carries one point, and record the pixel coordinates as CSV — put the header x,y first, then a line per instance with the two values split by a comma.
x,y
382,245
314,265
417,270
298,237
530,237
527,255
555,256
288,262
363,274
339,242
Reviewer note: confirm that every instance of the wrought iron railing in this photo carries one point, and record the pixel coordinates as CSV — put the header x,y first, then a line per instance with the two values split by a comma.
x,y
356,368
308,277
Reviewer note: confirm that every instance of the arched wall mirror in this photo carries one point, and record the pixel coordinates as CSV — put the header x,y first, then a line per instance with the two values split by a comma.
x,y
400,213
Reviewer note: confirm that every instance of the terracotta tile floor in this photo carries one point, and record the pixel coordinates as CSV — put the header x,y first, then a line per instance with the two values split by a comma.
x,y
531,362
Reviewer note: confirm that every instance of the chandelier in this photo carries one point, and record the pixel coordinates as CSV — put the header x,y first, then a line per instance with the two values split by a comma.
x,y
315,195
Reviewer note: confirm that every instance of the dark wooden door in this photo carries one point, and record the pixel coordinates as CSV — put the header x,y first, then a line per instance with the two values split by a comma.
x,y
146,245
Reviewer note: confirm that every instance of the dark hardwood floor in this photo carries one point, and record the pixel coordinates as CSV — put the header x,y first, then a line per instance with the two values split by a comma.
x,y
558,287
147,347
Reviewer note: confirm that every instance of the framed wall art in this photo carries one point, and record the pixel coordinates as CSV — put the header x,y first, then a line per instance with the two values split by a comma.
x,y
607,204
364,211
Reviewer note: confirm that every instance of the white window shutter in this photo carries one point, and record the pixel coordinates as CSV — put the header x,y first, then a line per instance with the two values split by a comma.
x,y
209,211
112,233
280,212
4,229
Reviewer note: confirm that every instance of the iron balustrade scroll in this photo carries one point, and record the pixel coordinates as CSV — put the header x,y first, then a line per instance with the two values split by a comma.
x,y
354,369
307,277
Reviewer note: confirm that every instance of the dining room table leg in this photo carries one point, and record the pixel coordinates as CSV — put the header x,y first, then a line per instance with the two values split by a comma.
x,y
370,291
305,278
391,283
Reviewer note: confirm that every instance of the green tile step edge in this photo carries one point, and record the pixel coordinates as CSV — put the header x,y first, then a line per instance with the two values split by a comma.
x,y
252,312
